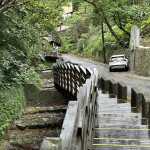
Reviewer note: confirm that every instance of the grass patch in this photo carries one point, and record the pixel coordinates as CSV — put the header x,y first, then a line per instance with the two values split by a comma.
x,y
45,65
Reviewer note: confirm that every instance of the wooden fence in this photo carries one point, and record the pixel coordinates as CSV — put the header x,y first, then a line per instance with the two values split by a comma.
x,y
68,77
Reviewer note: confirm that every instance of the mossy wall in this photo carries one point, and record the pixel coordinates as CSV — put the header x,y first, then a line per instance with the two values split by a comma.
x,y
99,56
45,74
142,62
35,94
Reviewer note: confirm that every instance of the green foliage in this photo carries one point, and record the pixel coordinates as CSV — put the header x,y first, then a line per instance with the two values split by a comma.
x,y
12,100
85,32
45,65
67,45
20,47
91,43
44,14
76,4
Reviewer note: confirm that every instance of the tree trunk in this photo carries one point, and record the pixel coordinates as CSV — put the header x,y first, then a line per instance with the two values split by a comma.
x,y
103,40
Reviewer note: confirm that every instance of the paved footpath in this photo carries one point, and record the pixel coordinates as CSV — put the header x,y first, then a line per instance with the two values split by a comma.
x,y
119,126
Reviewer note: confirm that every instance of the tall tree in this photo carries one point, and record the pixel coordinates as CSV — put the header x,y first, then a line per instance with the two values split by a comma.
x,y
99,6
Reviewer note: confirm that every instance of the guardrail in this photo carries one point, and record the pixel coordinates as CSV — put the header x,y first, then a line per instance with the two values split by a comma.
x,y
79,124
68,77
138,99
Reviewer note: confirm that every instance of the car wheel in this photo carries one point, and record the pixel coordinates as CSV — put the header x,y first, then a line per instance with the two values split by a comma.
x,y
110,69
127,68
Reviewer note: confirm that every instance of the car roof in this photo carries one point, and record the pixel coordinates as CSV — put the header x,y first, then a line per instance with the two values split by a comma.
x,y
118,55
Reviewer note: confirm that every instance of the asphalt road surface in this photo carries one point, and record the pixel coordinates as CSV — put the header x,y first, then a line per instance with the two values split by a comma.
x,y
127,77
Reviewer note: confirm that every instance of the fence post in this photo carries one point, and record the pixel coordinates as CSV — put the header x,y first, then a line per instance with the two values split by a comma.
x,y
122,91
75,81
88,72
83,74
136,98
146,105
104,84
71,80
113,88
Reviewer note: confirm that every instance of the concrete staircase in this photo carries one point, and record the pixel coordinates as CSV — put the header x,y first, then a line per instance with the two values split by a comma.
x,y
119,126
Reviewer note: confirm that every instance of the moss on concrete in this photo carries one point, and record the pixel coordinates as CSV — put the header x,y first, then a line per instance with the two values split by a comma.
x,y
142,62
34,94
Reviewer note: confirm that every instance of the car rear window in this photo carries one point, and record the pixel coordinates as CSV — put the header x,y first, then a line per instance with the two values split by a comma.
x,y
117,58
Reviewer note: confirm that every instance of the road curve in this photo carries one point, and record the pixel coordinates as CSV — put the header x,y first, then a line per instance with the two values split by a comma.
x,y
127,77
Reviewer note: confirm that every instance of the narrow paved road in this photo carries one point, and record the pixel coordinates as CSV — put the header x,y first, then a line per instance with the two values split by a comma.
x,y
129,78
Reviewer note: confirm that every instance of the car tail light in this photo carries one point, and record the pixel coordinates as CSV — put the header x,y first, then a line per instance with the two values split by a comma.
x,y
111,61
124,60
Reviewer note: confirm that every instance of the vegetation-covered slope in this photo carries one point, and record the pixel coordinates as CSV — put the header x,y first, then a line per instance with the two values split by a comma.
x,y
97,28
22,25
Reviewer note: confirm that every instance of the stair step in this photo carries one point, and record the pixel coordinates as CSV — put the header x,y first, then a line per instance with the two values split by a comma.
x,y
122,126
123,142
119,126
120,121
126,134
120,147
137,115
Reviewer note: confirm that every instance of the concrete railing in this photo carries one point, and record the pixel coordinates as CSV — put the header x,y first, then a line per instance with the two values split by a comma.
x,y
79,123
118,89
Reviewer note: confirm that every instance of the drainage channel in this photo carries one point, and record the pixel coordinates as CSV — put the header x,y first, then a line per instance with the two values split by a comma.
x,y
35,123
119,126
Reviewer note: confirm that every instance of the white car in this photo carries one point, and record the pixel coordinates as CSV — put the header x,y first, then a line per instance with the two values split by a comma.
x,y
118,62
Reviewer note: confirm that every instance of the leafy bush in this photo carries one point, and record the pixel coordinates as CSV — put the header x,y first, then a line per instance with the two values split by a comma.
x,y
20,47
12,100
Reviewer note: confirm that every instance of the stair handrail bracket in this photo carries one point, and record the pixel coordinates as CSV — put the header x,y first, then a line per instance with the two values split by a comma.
x,y
80,85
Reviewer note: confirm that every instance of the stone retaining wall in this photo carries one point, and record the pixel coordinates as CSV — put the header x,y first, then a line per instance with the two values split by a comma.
x,y
99,56
142,62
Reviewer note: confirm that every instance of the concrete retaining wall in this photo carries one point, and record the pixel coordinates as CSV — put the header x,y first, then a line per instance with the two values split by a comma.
x,y
45,74
99,56
34,94
142,61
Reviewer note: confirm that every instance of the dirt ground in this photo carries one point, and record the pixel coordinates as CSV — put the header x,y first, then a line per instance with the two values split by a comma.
x,y
35,123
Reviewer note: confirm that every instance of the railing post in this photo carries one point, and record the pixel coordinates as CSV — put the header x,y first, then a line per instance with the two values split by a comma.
x,y
136,98
64,79
71,80
67,80
75,81
61,75
83,75
113,88
80,79
122,91
88,72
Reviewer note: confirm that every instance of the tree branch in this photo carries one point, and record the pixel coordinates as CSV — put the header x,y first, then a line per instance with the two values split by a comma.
x,y
12,4
121,27
102,14
59,4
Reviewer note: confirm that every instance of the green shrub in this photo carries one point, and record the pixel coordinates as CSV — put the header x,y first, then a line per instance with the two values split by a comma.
x,y
12,100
